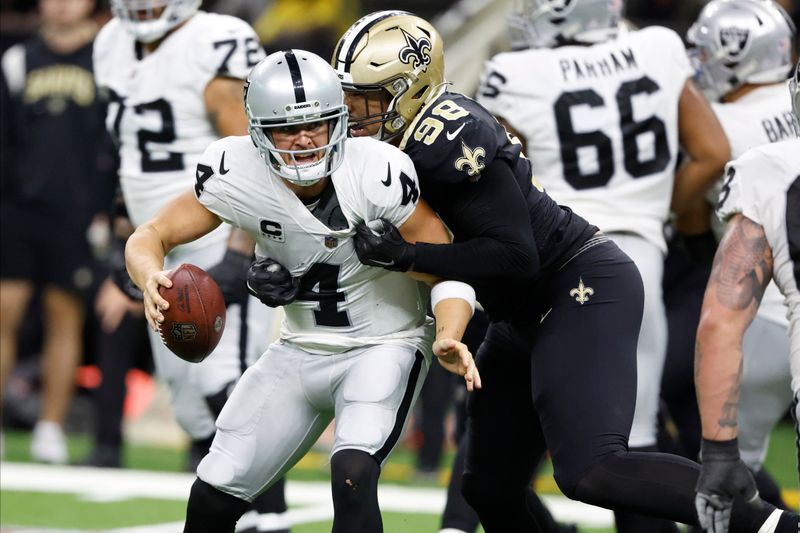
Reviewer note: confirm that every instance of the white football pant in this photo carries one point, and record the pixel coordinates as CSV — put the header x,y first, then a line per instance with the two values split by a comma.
x,y
652,348
285,401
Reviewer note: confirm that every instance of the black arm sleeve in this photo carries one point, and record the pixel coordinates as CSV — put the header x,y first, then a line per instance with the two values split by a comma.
x,y
492,230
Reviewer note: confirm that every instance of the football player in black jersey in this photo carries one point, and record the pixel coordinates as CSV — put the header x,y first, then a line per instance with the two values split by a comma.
x,y
565,304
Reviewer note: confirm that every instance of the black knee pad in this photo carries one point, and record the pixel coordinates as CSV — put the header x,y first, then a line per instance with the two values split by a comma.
x,y
212,511
354,473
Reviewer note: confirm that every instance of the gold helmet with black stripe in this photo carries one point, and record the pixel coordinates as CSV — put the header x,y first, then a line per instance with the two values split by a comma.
x,y
395,57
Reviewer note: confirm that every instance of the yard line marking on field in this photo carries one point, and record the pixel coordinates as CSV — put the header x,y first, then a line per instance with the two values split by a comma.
x,y
311,498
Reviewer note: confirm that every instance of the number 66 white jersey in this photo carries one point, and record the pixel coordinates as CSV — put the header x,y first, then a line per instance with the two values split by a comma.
x,y
342,303
600,123
764,185
157,110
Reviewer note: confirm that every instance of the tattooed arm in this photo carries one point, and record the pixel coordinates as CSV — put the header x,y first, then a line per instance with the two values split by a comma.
x,y
742,269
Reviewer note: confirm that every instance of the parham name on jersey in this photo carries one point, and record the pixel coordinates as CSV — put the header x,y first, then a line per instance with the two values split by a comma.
x,y
609,63
607,119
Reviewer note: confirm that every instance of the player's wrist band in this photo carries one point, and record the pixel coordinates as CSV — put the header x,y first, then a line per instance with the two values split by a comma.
x,y
452,289
722,450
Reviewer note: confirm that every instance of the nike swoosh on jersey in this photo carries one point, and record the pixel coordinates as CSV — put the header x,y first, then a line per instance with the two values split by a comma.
x,y
452,134
222,169
388,180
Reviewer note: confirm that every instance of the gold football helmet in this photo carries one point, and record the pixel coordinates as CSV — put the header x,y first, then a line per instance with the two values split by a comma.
x,y
396,52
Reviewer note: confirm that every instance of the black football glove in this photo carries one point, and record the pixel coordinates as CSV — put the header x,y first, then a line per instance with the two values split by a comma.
x,y
722,477
271,283
231,276
379,243
118,272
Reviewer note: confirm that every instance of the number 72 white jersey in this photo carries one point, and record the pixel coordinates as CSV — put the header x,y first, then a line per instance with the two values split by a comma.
x,y
157,109
342,304
600,123
764,185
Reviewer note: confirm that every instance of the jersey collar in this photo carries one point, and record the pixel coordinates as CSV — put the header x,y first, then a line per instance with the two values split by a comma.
x,y
421,112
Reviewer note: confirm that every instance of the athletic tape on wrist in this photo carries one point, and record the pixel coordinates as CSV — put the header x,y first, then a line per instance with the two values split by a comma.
x,y
452,289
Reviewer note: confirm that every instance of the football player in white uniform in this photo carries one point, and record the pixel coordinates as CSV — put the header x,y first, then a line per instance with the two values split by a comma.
x,y
761,202
174,78
356,342
602,113
743,51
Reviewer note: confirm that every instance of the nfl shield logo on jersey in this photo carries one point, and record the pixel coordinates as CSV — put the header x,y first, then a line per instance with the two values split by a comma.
x,y
331,242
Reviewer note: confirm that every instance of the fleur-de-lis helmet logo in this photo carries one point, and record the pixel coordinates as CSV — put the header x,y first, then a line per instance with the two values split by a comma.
x,y
416,52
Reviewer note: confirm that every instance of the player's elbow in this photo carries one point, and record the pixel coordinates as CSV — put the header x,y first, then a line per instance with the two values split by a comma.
x,y
523,261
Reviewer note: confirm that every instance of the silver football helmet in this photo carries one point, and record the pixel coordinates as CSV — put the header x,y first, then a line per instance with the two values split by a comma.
x,y
794,90
150,20
289,88
547,23
738,42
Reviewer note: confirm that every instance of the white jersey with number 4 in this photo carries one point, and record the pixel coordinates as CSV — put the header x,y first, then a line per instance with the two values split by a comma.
x,y
600,123
157,110
342,303
764,186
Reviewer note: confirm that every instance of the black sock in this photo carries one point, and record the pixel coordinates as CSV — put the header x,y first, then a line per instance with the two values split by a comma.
x,y
212,511
769,490
457,512
354,482
628,522
789,523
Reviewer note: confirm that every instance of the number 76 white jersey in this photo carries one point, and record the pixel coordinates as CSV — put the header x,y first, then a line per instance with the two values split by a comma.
x,y
342,304
600,123
157,110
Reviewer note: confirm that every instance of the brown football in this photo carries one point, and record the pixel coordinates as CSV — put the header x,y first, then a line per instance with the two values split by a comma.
x,y
194,322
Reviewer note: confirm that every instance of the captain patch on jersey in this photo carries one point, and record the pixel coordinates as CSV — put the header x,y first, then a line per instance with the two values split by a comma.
x,y
338,308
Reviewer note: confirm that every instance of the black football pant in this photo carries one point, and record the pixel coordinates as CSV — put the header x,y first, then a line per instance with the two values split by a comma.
x,y
567,372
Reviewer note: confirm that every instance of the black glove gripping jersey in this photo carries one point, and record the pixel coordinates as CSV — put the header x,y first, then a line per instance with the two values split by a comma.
x,y
471,172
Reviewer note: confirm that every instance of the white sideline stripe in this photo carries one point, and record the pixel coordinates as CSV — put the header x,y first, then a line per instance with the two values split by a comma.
x,y
314,498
